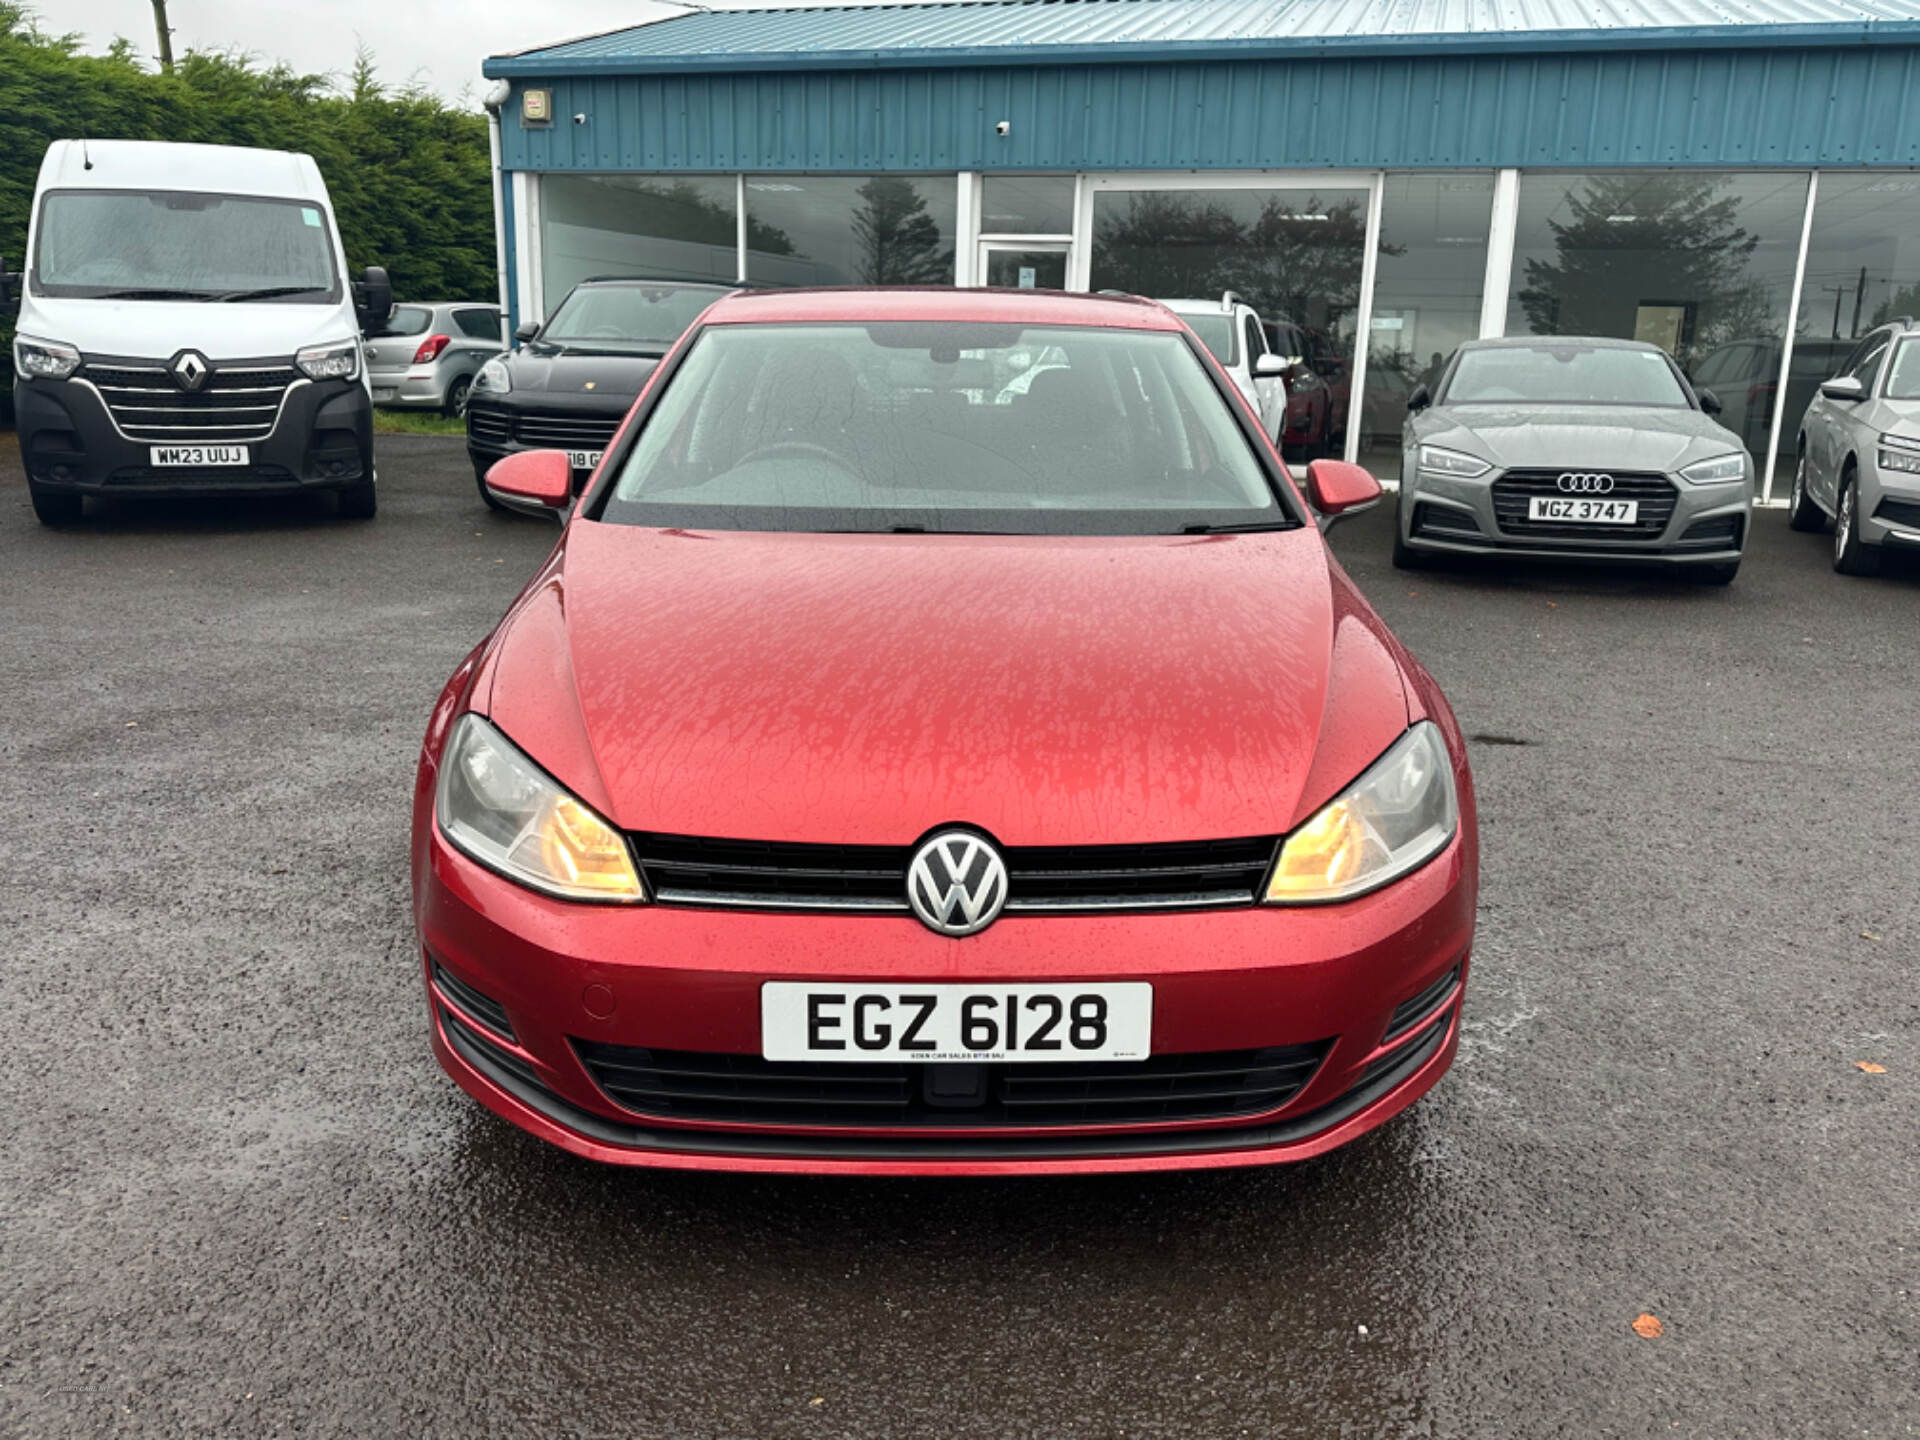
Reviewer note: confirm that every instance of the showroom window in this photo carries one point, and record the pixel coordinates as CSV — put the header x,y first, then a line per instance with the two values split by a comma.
x,y
679,227
1426,297
1700,264
850,229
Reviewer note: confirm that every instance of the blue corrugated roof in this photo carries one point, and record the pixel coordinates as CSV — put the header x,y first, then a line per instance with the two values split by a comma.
x,y
1013,32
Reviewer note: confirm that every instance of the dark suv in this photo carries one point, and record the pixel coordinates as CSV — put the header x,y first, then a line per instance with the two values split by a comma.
x,y
575,375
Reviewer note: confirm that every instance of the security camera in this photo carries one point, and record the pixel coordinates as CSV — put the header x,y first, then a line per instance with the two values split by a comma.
x,y
1005,127
580,117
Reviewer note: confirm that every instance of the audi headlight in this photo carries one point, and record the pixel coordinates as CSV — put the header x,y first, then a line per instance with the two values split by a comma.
x,y
337,361
43,359
1436,461
1394,818
504,811
1900,452
493,379
1719,469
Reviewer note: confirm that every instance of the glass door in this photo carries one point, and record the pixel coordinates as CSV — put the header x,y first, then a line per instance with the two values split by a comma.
x,y
1024,265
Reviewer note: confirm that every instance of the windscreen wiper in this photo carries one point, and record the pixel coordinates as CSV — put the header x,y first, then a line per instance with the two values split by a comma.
x,y
273,292
153,295
1250,527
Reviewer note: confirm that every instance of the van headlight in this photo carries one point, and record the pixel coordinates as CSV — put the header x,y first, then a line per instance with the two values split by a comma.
x,y
43,359
1393,819
1717,470
504,811
493,379
338,361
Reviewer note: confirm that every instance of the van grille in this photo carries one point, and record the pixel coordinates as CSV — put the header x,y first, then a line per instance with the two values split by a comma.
x,y
240,400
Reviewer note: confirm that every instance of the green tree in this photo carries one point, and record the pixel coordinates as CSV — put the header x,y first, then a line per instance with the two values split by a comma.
x,y
899,241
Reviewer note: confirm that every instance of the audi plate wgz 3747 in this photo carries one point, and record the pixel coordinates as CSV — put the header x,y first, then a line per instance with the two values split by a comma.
x,y
1557,448
942,742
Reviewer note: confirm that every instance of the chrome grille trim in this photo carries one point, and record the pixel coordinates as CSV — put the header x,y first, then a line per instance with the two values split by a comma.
x,y
144,405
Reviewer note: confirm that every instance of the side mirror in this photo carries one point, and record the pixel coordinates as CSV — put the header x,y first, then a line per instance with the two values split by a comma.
x,y
1335,488
527,331
1845,389
1710,403
373,298
1418,399
9,302
533,482
1271,364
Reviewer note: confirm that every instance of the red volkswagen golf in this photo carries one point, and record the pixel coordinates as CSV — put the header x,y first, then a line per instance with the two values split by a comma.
x,y
941,742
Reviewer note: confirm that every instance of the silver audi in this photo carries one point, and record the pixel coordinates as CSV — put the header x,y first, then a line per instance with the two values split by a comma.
x,y
1565,448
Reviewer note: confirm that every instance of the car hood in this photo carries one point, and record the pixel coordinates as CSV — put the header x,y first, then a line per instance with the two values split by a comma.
x,y
865,689
1608,437
160,329
545,372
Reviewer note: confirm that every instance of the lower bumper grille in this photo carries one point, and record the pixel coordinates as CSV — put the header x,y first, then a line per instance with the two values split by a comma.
x,y
1655,493
1722,532
1442,520
484,1008
691,1085
493,426
751,874
1899,512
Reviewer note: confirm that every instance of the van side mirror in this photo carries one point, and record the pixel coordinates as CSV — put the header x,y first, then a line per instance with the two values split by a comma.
x,y
1418,399
1845,389
1335,488
527,331
9,302
373,298
533,482
1710,403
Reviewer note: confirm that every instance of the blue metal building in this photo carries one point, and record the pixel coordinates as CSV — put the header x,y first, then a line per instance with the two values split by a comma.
x,y
1731,178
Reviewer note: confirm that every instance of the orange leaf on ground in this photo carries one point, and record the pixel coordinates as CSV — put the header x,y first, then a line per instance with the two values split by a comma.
x,y
1869,1067
1648,1327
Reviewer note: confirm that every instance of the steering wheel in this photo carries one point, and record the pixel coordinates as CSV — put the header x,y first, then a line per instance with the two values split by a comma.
x,y
783,449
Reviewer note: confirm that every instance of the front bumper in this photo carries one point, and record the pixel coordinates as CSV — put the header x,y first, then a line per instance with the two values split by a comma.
x,y
322,439
1443,515
550,976
1890,508
502,425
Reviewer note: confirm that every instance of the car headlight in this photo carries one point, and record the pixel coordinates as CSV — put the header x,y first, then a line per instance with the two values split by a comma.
x,y
493,378
1720,468
43,359
503,810
1436,461
1397,816
1900,452
337,361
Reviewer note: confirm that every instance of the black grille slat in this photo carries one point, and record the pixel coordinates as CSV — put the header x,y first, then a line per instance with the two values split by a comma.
x,y
488,424
1900,512
745,1089
1443,520
1410,1013
235,404
1656,495
560,431
484,1008
695,870
479,1039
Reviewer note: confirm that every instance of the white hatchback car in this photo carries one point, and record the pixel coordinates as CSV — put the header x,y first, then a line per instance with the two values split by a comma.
x,y
1233,332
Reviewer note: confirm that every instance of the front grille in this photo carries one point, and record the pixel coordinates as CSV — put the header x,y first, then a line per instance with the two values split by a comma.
x,y
174,477
745,1089
1900,512
1511,492
484,1008
1442,520
564,432
1720,533
752,874
239,401
493,425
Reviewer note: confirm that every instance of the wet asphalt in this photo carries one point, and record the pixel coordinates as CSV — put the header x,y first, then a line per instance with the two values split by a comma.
x,y
238,1197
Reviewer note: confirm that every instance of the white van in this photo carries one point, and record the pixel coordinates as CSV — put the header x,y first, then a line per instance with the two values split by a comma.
x,y
187,327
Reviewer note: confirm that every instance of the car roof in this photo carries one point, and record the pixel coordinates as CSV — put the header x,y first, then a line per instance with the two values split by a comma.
x,y
1536,342
940,302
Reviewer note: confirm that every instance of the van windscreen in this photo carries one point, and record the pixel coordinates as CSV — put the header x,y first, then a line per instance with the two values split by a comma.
x,y
177,245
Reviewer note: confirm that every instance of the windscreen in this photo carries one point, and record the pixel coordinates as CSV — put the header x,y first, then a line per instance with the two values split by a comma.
x,y
643,319
1563,375
117,244
1903,380
1215,332
943,427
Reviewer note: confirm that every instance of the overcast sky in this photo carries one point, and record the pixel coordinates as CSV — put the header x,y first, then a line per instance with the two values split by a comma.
x,y
442,42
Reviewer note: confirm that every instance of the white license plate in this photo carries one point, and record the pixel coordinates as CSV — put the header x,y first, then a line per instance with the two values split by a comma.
x,y
584,459
199,454
1583,510
930,1023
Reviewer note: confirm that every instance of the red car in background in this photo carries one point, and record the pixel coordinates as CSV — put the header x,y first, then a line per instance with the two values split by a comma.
x,y
879,777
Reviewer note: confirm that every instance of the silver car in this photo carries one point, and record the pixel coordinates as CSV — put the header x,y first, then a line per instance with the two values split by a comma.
x,y
1562,448
1860,452
425,356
